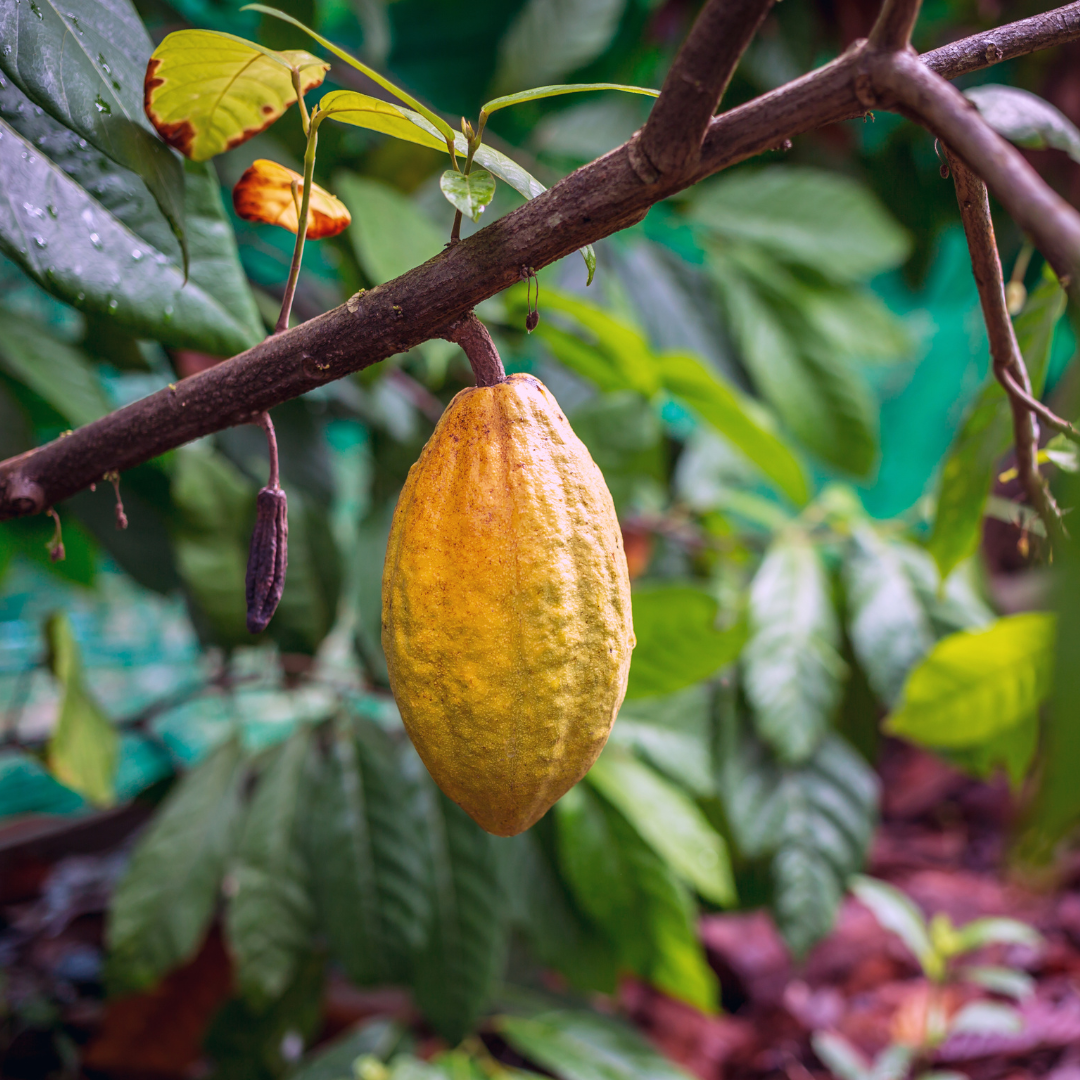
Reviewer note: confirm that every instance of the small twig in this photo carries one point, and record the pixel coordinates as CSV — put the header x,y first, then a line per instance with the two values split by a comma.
x,y
121,518
56,544
471,334
264,421
895,24
695,83
455,232
1008,362
1045,414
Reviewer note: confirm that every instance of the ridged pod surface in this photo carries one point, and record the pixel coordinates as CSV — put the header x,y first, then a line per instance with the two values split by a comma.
x,y
506,605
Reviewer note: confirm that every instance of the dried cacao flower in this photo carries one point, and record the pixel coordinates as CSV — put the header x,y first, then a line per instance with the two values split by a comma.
x,y
268,558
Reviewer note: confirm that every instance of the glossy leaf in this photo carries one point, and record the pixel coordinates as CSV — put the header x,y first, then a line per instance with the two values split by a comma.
x,y
373,1039
266,193
997,931
469,194
978,683
1025,118
669,821
361,110
367,868
739,420
83,63
84,747
632,897
678,642
968,471
75,249
538,92
584,1045
269,918
208,92
793,673
168,895
887,624
899,915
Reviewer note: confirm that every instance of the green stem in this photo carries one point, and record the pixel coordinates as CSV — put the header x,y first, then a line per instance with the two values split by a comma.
x,y
305,120
301,230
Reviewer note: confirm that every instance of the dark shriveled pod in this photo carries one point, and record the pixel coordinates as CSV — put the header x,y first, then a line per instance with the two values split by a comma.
x,y
268,558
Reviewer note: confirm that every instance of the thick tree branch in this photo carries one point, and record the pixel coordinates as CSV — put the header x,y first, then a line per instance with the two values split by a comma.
x,y
591,203
894,25
925,97
1008,362
672,136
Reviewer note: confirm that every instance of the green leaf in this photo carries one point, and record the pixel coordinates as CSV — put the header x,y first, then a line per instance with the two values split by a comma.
x,y
208,92
1012,750
821,220
899,915
361,844
986,1018
387,232
375,1038
59,373
669,821
1025,118
538,92
969,470
75,249
842,1059
887,624
360,110
84,747
439,123
631,895
678,643
83,62
738,419
997,931
792,671
977,683
455,975
167,897
549,38
580,1045
470,194
269,919
1000,980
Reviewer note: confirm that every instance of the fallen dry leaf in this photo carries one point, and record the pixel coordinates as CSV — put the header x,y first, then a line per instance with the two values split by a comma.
x,y
265,194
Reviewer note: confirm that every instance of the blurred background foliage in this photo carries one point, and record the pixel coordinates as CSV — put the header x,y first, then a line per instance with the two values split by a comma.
x,y
783,375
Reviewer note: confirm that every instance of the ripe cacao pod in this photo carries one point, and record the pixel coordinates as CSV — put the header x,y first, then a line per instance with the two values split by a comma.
x,y
506,605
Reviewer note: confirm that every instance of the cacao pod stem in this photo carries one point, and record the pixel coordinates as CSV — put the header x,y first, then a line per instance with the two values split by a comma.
x,y
268,558
471,334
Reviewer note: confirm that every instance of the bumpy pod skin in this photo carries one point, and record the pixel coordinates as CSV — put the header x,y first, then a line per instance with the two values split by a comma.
x,y
268,558
506,615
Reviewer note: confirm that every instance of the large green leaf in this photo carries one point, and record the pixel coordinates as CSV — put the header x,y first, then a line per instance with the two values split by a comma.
x,y
581,1045
669,821
455,976
74,248
978,683
83,62
214,264
887,624
167,897
821,220
632,897
738,419
678,643
270,916
208,92
362,847
792,671
1025,118
84,746
362,110
55,371
968,472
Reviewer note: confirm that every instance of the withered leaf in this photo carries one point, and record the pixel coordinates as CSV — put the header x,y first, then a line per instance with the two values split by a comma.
x,y
265,193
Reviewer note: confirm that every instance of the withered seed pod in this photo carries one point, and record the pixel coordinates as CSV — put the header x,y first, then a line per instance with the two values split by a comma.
x,y
268,558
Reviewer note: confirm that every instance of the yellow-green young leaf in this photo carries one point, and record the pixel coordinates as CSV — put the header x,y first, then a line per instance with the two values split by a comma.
x,y
360,110
469,194
265,193
82,752
559,89
978,683
207,92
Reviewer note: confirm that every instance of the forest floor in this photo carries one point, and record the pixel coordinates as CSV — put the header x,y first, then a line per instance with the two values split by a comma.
x,y
942,840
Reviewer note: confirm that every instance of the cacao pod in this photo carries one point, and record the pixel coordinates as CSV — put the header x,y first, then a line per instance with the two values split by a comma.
x,y
506,615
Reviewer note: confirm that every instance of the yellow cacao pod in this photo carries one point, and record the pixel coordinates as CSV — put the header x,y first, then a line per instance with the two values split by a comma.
x,y
506,605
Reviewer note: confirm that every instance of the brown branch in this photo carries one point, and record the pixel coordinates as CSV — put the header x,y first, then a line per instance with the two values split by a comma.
x,y
925,97
475,341
695,83
1047,415
1008,362
593,202
895,23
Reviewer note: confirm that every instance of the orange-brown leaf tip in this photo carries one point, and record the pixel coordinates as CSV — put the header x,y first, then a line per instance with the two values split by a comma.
x,y
264,193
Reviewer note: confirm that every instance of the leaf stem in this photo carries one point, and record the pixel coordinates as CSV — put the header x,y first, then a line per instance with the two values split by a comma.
x,y
301,228
305,120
